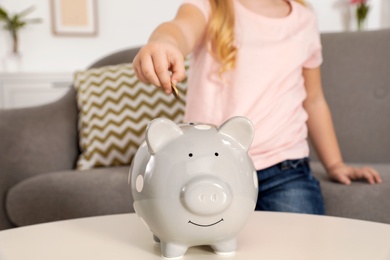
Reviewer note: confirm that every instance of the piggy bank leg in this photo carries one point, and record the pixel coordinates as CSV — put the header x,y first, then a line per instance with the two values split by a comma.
x,y
171,250
227,247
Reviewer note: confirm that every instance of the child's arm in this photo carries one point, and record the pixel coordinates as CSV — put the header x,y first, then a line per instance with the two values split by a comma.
x,y
167,46
323,136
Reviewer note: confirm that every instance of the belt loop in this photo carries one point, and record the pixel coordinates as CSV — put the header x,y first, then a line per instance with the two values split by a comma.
x,y
284,165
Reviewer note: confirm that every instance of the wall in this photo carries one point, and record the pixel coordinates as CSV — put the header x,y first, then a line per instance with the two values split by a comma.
x,y
126,23
122,23
338,15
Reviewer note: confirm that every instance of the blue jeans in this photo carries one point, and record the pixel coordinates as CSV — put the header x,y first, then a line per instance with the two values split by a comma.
x,y
289,186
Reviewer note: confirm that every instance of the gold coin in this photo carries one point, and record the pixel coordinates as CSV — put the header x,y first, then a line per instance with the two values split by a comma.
x,y
175,92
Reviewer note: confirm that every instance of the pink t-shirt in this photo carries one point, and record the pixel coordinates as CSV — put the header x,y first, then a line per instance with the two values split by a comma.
x,y
266,86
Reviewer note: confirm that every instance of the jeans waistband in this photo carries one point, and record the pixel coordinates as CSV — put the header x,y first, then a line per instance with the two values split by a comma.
x,y
292,164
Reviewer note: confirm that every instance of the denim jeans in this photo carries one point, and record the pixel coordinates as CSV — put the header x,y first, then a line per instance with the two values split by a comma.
x,y
289,186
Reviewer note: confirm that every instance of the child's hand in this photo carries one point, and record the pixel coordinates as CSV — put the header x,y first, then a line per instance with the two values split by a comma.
x,y
159,64
345,174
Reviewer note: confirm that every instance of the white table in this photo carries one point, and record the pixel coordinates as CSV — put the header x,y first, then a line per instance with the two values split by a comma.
x,y
265,236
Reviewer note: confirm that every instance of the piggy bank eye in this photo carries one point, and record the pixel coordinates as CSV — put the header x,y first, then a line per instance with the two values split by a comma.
x,y
190,155
216,154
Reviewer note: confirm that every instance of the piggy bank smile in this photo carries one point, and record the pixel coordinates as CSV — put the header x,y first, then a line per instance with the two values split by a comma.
x,y
207,225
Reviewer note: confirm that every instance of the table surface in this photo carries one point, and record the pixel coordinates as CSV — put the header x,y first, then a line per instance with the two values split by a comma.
x,y
265,236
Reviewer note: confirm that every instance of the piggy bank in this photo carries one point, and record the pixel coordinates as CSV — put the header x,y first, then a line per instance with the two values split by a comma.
x,y
195,184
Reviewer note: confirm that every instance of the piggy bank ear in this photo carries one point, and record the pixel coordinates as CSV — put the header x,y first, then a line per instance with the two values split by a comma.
x,y
161,131
240,129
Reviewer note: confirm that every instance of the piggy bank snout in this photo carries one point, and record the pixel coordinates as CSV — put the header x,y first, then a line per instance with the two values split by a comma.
x,y
206,196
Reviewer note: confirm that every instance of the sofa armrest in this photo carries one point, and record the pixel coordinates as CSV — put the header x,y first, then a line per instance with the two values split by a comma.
x,y
359,200
36,140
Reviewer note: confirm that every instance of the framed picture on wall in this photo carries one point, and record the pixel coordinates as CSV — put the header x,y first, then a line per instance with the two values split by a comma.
x,y
74,17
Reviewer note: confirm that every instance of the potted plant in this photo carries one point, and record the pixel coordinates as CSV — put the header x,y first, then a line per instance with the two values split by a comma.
x,y
15,22
361,12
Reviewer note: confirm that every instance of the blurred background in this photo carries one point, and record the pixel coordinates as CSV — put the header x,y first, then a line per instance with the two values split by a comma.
x,y
122,24
126,23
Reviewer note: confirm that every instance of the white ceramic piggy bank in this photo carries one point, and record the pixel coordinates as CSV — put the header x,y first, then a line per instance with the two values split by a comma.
x,y
195,184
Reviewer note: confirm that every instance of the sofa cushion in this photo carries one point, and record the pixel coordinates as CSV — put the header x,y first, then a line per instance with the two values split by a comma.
x,y
359,200
356,85
115,109
69,194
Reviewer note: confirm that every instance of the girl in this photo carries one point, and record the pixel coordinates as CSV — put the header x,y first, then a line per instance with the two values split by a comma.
x,y
260,59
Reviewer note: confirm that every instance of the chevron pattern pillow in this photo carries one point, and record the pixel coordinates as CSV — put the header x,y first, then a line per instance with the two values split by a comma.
x,y
114,110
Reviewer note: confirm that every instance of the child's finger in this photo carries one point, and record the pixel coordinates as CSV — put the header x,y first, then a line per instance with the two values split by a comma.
x,y
137,69
378,178
178,70
161,68
370,175
369,178
343,179
140,75
376,175
148,72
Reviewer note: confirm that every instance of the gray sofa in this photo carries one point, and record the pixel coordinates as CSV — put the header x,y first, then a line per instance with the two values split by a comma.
x,y
39,145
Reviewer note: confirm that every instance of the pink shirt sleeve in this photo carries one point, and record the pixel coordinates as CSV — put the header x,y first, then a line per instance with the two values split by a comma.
x,y
202,5
315,57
